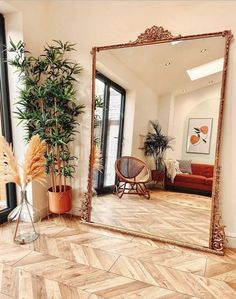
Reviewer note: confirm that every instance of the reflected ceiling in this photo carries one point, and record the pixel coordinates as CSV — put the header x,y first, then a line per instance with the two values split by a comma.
x,y
163,67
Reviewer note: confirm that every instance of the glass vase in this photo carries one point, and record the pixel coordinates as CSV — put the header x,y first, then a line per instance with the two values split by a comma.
x,y
27,221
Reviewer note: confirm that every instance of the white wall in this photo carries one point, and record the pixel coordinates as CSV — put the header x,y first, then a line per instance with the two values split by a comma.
x,y
174,113
202,103
16,30
165,115
107,22
146,99
166,120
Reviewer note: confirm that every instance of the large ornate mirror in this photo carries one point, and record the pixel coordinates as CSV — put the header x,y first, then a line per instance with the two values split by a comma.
x,y
156,135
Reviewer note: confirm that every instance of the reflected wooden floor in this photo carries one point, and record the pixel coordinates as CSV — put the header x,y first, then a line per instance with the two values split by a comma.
x,y
175,216
73,261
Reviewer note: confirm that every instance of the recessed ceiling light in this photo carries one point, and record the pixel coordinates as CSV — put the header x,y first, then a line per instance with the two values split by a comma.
x,y
167,63
184,90
203,50
206,69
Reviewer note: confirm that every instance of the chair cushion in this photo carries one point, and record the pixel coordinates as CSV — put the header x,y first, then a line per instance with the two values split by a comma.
x,y
190,178
209,181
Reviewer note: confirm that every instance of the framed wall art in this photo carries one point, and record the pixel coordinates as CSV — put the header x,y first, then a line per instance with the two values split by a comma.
x,y
199,135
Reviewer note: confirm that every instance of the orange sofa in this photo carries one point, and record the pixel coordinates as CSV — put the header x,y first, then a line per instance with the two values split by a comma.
x,y
200,181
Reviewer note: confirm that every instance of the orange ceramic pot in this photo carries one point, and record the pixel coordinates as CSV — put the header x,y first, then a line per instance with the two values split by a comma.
x,y
60,202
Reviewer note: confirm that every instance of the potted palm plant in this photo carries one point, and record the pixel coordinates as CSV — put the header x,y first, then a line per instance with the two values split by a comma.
x,y
155,145
48,107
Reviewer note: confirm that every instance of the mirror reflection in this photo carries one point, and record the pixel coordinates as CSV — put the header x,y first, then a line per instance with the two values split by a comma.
x,y
156,119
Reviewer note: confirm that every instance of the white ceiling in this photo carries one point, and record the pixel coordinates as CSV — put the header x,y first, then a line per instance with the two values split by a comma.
x,y
148,63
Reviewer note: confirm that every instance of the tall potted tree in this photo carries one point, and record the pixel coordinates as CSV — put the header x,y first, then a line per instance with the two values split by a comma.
x,y
155,145
48,107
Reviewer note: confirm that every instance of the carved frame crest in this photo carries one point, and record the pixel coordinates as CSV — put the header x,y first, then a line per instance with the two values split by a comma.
x,y
155,35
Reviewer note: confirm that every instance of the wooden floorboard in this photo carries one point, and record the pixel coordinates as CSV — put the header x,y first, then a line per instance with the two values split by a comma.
x,y
175,216
72,260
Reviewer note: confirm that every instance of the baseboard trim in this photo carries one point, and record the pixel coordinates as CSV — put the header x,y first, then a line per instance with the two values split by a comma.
x,y
155,238
231,241
44,213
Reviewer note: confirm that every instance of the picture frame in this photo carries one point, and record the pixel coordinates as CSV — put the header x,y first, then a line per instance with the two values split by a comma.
x,y
199,135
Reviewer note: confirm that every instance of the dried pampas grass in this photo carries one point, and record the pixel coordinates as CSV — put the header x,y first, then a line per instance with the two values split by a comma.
x,y
9,172
33,166
97,159
34,162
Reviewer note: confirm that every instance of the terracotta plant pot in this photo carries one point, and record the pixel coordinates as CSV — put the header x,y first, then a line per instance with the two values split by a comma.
x,y
60,202
157,175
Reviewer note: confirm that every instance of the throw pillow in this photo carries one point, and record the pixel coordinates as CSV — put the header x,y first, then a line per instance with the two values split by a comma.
x,y
185,166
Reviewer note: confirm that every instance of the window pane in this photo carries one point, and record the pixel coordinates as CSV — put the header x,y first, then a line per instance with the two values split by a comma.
x,y
3,195
112,136
99,93
7,192
98,118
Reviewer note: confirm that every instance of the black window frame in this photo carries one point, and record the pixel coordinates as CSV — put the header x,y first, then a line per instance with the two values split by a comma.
x,y
5,116
109,84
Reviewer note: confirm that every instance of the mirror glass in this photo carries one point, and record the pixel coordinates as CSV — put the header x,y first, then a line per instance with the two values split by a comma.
x,y
156,120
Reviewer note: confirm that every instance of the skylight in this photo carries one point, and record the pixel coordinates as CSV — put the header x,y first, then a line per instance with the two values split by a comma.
x,y
206,69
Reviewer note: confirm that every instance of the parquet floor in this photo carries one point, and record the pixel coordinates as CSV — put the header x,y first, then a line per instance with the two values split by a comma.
x,y
73,261
176,216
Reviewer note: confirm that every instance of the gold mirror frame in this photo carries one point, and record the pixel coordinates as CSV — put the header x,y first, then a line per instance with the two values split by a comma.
x,y
157,35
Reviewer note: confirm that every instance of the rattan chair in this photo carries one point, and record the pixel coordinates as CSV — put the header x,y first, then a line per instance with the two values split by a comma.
x,y
132,175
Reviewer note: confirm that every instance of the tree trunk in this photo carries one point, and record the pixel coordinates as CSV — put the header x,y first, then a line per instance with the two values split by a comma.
x,y
59,166
156,161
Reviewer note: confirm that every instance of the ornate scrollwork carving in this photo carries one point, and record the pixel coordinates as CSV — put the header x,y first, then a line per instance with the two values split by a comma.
x,y
228,34
85,207
153,34
218,235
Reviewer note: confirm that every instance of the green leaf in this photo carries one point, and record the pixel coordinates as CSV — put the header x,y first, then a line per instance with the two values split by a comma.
x,y
48,104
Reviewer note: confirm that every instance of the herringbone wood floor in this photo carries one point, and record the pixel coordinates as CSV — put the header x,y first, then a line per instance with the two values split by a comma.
x,y
176,216
72,260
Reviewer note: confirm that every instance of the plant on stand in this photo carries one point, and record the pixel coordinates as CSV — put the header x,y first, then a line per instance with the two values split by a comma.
x,y
97,156
25,215
48,107
155,145
97,161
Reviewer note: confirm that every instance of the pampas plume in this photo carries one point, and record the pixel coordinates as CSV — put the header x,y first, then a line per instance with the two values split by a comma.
x,y
97,159
34,162
33,165
9,172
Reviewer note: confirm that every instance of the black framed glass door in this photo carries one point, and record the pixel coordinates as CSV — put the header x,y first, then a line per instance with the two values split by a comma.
x,y
7,192
109,130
